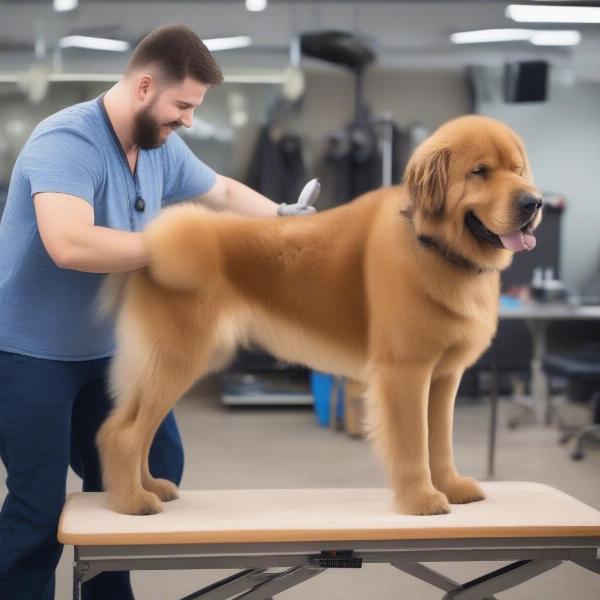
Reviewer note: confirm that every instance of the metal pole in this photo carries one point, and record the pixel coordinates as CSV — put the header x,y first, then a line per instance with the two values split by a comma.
x,y
491,457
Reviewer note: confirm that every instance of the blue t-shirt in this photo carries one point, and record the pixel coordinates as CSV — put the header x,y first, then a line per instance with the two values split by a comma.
x,y
49,312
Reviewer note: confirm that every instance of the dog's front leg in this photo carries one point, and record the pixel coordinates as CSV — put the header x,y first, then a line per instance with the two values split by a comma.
x,y
446,478
400,434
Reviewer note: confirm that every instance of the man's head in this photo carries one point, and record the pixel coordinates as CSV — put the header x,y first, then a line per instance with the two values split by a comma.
x,y
169,72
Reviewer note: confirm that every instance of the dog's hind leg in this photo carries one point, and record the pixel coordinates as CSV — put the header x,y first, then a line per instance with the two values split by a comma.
x,y
215,358
166,490
118,446
152,388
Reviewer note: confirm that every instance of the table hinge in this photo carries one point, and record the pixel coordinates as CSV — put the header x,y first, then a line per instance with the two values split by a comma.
x,y
337,559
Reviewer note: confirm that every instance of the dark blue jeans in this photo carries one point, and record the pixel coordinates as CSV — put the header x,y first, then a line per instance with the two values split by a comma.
x,y
50,412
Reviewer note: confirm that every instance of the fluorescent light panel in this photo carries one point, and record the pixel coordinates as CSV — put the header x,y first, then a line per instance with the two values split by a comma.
x,y
525,13
256,5
93,43
555,38
227,43
64,5
536,37
490,35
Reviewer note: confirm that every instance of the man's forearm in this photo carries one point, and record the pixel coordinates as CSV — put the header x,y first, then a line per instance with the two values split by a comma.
x,y
104,250
243,200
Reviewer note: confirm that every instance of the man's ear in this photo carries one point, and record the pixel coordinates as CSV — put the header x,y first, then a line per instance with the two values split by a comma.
x,y
143,85
426,178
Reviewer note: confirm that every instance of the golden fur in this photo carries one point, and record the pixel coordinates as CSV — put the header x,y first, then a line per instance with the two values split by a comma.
x,y
353,291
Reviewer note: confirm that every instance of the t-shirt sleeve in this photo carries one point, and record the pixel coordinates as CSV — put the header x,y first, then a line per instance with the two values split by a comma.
x,y
186,175
61,160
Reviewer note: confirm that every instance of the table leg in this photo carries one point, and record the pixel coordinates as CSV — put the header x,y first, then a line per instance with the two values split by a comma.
x,y
493,423
76,577
539,381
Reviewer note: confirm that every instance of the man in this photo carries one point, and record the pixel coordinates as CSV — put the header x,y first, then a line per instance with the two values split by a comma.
x,y
85,184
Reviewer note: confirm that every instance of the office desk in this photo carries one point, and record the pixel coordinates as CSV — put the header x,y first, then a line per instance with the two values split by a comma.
x,y
538,317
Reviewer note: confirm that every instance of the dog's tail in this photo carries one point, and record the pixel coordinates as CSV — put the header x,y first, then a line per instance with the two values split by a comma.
x,y
184,255
183,243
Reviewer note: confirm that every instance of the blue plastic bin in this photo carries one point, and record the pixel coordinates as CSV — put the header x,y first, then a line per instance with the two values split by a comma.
x,y
323,386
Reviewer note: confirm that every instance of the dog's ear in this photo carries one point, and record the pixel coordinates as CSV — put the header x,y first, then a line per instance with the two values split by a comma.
x,y
526,165
426,178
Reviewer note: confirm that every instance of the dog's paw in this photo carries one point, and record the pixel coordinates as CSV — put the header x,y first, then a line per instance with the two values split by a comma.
x,y
164,489
141,503
425,502
459,489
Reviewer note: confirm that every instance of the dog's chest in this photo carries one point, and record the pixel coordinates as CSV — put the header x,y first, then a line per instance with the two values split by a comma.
x,y
469,326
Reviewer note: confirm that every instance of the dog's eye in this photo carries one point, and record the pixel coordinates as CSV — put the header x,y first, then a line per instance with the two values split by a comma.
x,y
480,170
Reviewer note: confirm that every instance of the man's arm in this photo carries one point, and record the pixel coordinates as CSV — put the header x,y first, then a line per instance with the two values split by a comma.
x,y
66,225
229,194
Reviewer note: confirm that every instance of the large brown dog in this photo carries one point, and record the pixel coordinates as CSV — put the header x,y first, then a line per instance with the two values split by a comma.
x,y
398,289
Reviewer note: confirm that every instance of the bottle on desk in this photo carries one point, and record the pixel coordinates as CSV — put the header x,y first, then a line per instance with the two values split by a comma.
x,y
545,288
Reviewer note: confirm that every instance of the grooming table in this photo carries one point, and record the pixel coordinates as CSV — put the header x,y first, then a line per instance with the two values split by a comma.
x,y
280,538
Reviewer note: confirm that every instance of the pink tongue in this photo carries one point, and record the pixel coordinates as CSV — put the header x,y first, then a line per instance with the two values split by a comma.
x,y
518,241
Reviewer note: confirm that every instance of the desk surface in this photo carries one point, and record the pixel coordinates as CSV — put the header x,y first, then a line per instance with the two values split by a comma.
x,y
511,509
549,310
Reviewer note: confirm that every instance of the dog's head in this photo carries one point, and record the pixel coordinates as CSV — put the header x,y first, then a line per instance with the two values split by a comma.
x,y
471,188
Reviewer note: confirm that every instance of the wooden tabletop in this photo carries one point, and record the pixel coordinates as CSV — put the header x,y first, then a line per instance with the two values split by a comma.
x,y
511,509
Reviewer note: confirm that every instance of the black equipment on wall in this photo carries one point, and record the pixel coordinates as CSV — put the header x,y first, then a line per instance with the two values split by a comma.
x,y
357,152
345,49
277,168
354,155
339,47
526,81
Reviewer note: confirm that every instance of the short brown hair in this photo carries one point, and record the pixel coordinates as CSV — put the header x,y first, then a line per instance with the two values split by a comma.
x,y
179,53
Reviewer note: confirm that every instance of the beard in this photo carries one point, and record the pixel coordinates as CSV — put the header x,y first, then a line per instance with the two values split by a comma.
x,y
146,129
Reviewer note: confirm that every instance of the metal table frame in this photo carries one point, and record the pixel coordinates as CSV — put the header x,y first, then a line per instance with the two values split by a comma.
x,y
268,569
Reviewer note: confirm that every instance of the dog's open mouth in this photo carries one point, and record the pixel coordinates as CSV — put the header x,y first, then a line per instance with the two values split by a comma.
x,y
521,239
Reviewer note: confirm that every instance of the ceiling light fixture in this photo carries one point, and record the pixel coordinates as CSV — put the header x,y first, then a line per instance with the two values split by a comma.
x,y
533,36
64,5
490,35
526,13
256,5
227,43
555,38
93,43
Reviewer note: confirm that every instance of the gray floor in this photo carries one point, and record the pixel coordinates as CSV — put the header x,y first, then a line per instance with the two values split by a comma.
x,y
272,447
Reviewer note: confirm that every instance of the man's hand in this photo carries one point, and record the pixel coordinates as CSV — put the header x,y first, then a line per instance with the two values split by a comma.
x,y
304,205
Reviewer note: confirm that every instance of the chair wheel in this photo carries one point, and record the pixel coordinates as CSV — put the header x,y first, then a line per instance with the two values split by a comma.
x,y
512,424
577,455
564,439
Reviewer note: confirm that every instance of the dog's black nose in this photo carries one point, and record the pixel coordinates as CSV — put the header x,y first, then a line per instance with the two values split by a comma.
x,y
529,202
